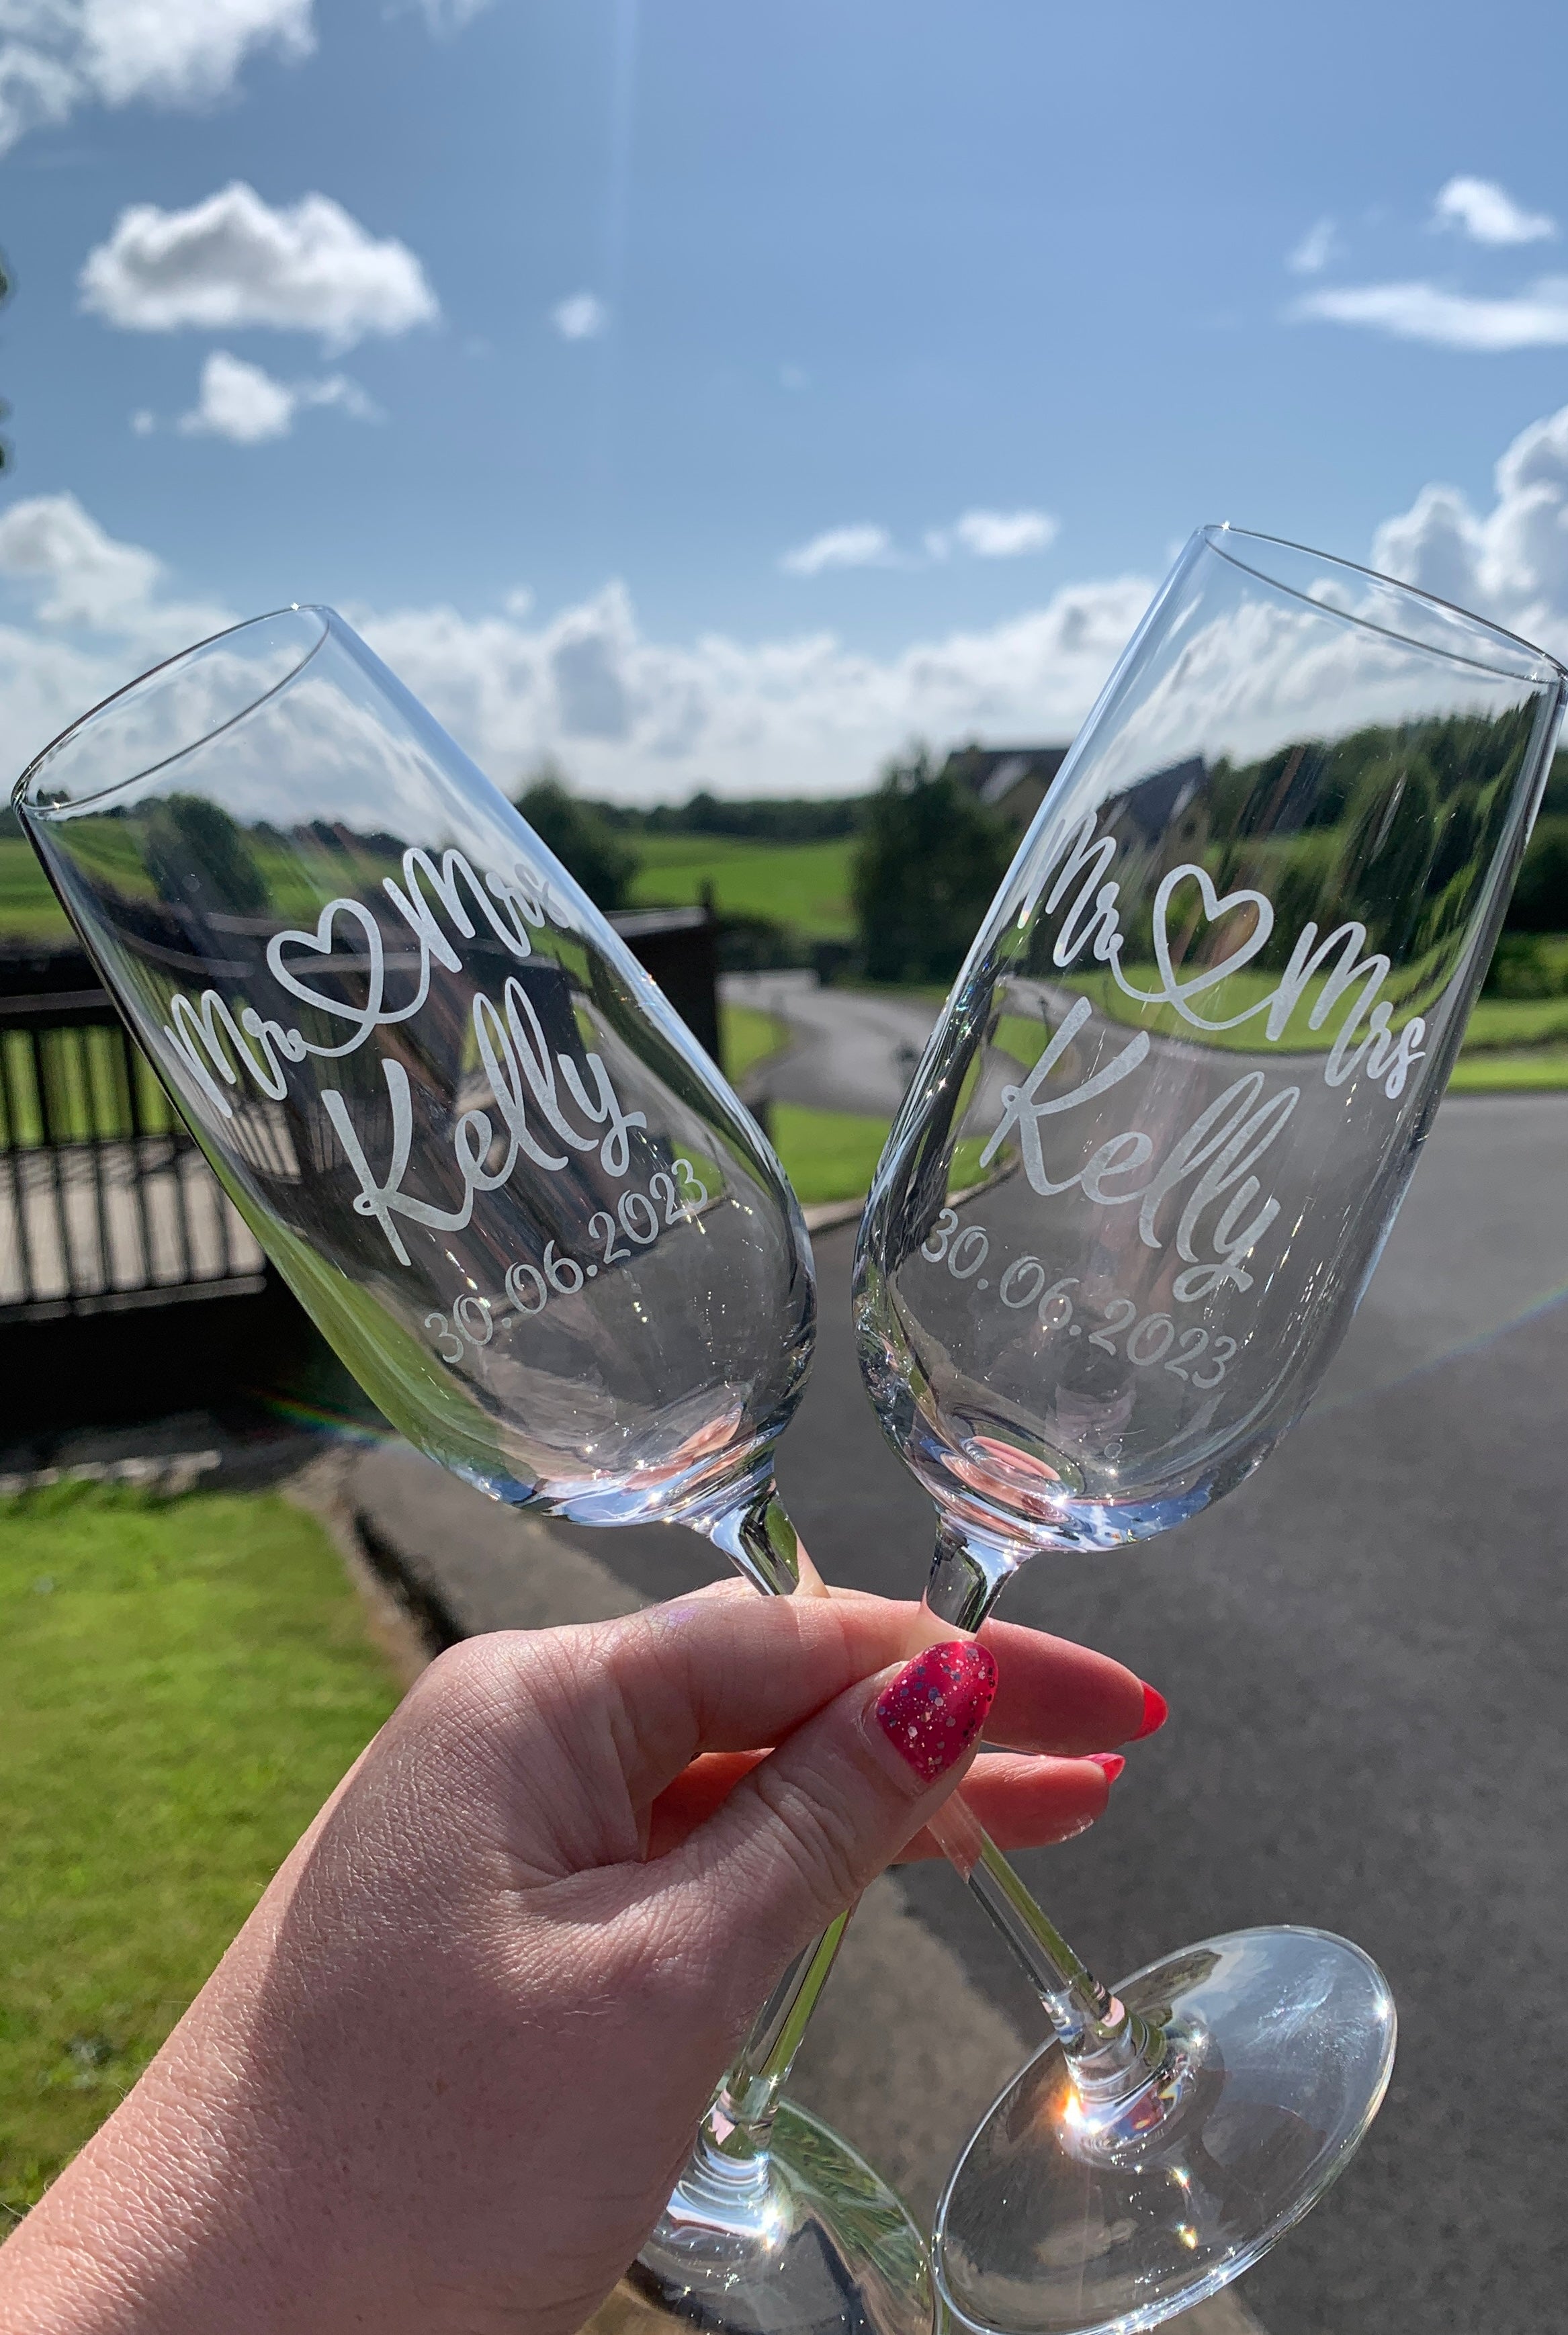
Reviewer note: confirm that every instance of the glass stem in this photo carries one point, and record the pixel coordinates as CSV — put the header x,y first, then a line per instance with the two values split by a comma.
x,y
761,1543
1112,2052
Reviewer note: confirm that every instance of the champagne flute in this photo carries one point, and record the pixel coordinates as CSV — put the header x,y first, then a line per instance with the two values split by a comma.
x,y
1127,1211
517,1198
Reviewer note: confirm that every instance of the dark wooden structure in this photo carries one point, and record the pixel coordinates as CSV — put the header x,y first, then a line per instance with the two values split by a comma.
x,y
680,947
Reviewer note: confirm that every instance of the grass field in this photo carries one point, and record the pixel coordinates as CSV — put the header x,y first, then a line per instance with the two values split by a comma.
x,y
749,1038
1514,1022
828,1155
1535,1067
28,906
807,886
803,885
182,1685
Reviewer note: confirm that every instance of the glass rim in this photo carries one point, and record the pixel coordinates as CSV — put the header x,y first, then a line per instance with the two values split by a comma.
x,y
1220,535
20,792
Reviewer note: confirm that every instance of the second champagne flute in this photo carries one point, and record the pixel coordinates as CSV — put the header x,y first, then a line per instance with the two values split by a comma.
x,y
1122,1222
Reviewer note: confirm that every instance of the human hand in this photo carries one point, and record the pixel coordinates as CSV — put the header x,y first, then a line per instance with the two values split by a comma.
x,y
447,2075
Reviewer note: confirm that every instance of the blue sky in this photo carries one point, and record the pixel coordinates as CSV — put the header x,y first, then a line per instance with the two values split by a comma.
x,y
902,344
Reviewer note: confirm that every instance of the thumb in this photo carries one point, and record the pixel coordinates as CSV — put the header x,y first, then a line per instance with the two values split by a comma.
x,y
801,1835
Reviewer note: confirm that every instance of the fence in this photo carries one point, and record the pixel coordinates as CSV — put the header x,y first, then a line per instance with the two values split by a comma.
x,y
106,1203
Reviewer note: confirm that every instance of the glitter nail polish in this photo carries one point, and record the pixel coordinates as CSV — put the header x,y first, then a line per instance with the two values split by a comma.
x,y
932,1710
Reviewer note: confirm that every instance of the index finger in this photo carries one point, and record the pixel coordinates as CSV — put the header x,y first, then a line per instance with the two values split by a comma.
x,y
1051,1695
739,1673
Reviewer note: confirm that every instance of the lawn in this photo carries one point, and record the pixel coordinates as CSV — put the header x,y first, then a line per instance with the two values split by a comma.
x,y
183,1684
749,1038
28,909
828,1155
1505,1022
1500,1071
803,885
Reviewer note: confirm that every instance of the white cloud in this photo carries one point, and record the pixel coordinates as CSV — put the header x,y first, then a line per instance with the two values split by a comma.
x,y
36,91
244,404
582,317
1485,213
1510,562
639,718
185,52
239,401
233,261
63,53
1533,319
841,547
80,578
627,715
643,719
994,535
1315,249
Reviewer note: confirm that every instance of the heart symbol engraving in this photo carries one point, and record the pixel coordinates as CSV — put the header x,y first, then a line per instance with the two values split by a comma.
x,y
1214,910
370,960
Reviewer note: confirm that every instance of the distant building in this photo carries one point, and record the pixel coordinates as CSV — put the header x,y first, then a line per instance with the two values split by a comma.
x,y
1166,807
1010,779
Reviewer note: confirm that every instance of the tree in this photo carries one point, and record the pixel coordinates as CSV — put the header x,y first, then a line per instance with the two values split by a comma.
x,y
1540,902
197,854
581,838
929,858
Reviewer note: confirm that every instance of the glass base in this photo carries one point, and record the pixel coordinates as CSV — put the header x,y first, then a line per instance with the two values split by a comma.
x,y
814,2243
1067,2217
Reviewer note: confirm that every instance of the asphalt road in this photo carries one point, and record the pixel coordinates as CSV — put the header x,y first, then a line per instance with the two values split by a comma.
x,y
852,1052
1364,1650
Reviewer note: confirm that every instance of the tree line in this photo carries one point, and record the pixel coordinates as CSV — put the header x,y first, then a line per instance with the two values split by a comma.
x,y
928,855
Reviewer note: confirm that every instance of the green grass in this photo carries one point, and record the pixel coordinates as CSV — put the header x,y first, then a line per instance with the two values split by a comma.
x,y
803,885
828,1155
1509,1042
1539,1067
748,1038
832,1155
82,1074
182,1686
28,909
1516,1022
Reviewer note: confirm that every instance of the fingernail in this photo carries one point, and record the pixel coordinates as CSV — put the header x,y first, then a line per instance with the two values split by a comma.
x,y
1111,1761
1155,1712
932,1710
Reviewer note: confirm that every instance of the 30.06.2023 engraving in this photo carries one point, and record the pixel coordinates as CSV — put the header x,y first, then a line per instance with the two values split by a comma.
x,y
1197,1357
529,1287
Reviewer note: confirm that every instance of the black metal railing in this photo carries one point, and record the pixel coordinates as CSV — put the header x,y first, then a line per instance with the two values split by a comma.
x,y
105,1201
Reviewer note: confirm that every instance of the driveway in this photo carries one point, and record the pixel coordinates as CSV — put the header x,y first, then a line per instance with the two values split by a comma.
x,y
852,1050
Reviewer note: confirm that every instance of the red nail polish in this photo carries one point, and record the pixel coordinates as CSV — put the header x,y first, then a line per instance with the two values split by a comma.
x,y
1155,1712
932,1710
1111,1761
